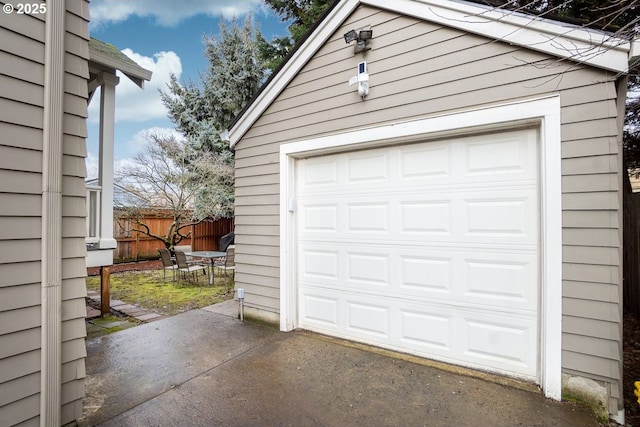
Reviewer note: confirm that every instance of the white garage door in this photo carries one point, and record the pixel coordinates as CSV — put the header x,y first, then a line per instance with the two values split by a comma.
x,y
429,248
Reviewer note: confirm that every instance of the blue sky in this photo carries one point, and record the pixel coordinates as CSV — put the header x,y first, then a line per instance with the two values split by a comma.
x,y
164,36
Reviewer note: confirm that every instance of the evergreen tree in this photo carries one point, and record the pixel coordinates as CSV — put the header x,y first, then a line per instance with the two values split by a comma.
x,y
234,75
302,15
201,111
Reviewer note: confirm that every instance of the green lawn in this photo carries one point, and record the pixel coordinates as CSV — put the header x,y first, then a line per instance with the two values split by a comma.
x,y
148,290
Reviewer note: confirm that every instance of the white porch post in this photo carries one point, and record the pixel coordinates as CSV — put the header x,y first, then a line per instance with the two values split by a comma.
x,y
108,84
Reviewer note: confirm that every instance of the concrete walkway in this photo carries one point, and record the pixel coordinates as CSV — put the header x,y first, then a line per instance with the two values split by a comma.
x,y
204,368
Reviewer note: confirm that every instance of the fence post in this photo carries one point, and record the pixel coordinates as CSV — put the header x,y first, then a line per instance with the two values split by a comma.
x,y
137,246
105,291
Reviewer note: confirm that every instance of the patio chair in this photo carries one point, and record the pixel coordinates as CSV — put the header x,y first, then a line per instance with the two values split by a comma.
x,y
186,249
167,264
186,268
227,263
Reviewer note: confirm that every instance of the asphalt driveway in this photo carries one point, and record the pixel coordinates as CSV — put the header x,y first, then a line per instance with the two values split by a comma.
x,y
203,368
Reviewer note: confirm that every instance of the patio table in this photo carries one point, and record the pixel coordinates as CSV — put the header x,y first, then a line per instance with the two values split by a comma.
x,y
212,255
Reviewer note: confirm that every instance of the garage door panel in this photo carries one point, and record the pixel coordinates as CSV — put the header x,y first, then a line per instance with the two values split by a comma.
x,y
508,342
319,264
425,217
424,274
428,332
368,217
320,218
320,173
319,310
504,154
506,217
428,248
367,268
371,167
481,277
427,163
367,319
502,282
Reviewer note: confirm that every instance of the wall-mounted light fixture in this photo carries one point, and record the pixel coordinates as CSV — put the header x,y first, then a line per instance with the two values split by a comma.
x,y
360,37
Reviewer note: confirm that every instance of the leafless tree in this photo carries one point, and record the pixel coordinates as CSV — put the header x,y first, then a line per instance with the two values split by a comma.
x,y
166,176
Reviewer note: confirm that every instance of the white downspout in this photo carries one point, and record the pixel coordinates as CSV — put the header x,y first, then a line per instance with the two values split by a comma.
x,y
51,267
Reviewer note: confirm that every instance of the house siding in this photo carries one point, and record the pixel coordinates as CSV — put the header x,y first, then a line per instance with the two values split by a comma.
x,y
21,160
419,69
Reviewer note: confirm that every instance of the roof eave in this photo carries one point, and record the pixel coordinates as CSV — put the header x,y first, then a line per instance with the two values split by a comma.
x,y
136,74
596,48
287,72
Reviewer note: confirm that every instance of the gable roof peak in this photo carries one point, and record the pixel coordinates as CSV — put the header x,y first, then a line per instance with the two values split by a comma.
x,y
559,39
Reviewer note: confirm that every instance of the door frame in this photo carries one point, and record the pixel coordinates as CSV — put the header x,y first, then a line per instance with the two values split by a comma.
x,y
541,113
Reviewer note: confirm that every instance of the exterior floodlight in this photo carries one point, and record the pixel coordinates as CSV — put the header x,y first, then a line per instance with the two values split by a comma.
x,y
350,36
360,37
365,35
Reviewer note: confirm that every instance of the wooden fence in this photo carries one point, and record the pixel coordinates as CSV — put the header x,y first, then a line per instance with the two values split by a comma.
x,y
135,246
631,261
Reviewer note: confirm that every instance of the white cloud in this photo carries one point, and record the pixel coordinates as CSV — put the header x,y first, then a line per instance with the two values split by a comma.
x,y
134,104
168,13
91,163
139,140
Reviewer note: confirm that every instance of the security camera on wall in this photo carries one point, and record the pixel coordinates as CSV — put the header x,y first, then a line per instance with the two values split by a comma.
x,y
362,78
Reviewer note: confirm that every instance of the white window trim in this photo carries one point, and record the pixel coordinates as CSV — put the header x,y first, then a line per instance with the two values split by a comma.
x,y
542,112
94,214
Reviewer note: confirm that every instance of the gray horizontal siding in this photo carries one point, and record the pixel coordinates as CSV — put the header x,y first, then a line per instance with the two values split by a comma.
x,y
20,136
21,388
74,210
418,69
21,68
19,366
19,342
23,412
21,123
591,182
14,297
14,274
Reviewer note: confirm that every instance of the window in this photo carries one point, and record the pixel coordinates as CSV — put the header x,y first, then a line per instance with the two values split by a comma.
x,y
93,213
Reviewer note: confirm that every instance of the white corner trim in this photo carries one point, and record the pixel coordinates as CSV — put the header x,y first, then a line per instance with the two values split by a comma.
x,y
551,259
51,249
542,112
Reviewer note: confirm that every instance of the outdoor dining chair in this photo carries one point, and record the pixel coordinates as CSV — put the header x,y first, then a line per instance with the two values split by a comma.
x,y
167,264
186,268
186,249
226,263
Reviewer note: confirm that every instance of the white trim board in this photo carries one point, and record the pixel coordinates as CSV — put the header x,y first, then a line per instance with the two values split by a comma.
x,y
544,112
